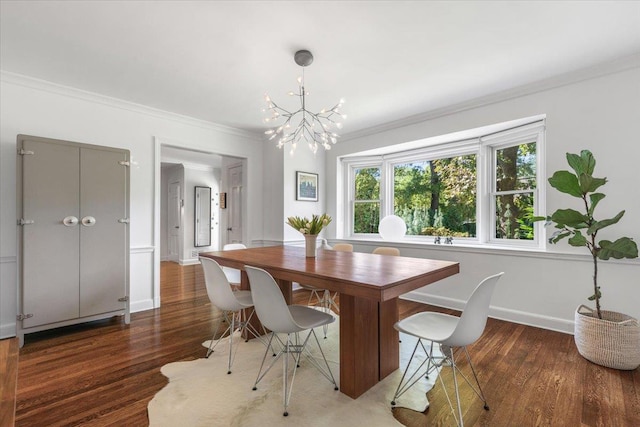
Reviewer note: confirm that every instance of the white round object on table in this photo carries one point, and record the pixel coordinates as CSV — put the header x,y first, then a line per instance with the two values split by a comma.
x,y
392,227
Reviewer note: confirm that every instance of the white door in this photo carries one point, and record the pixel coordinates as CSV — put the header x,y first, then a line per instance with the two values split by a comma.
x,y
103,231
235,205
174,234
50,242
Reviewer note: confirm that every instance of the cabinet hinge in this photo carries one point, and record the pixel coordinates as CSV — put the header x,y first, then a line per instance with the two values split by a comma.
x,y
123,299
123,220
21,317
23,221
24,152
124,163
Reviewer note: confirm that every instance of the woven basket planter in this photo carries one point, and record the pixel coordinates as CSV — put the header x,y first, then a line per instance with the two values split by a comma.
x,y
613,341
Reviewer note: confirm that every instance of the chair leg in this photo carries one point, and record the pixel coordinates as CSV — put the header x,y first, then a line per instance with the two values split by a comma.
x,y
455,385
473,370
294,350
456,370
418,372
214,343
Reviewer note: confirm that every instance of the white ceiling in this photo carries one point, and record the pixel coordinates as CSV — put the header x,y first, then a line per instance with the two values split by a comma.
x,y
215,60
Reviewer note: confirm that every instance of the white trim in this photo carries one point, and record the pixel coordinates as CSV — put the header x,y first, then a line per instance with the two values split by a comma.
x,y
142,305
157,182
8,330
142,250
47,86
193,166
600,70
481,249
513,316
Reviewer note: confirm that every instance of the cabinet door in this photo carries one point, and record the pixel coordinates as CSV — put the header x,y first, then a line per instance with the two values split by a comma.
x,y
103,243
50,253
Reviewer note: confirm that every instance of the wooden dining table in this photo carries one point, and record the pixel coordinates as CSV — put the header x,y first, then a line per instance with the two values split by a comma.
x,y
369,286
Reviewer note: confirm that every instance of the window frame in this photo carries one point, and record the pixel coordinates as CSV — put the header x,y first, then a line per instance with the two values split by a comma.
x,y
361,163
491,144
485,148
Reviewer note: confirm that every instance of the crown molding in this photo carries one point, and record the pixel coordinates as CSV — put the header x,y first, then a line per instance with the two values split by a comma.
x,y
599,70
47,86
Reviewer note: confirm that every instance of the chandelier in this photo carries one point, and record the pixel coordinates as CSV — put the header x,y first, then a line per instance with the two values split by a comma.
x,y
314,128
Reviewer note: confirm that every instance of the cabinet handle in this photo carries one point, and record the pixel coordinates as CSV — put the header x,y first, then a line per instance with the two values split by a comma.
x,y
88,221
70,221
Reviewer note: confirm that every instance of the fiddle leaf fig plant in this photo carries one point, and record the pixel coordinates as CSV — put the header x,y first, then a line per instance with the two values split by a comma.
x,y
581,228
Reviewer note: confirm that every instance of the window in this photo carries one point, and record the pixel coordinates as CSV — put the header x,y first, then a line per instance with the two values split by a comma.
x,y
366,203
514,187
480,190
437,197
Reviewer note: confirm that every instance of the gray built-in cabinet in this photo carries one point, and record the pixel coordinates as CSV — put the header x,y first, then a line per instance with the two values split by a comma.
x,y
73,233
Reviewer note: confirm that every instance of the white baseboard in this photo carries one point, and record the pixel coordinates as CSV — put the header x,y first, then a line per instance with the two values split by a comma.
x,y
189,261
141,305
514,316
8,330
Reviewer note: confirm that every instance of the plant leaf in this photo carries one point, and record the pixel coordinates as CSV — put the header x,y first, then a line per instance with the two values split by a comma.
x,y
594,296
575,161
566,182
578,239
599,225
559,235
583,163
589,184
588,161
595,199
624,247
569,217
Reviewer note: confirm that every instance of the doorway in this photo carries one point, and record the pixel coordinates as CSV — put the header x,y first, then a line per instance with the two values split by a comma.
x,y
180,171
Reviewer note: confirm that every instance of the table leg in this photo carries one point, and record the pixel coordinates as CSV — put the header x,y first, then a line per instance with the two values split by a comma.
x,y
358,345
369,347
389,338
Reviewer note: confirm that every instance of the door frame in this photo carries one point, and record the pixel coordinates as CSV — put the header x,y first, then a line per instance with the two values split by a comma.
x,y
158,143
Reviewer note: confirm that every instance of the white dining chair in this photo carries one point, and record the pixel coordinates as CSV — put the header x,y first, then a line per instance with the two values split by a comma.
x,y
232,304
453,334
280,318
233,274
386,250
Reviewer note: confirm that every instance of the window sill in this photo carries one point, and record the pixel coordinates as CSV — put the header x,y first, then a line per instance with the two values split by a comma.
x,y
485,249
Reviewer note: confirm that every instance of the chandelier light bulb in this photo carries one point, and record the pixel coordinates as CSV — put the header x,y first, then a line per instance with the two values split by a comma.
x,y
312,127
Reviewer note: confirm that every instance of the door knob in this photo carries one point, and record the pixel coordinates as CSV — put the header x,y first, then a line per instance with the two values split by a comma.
x,y
70,221
88,221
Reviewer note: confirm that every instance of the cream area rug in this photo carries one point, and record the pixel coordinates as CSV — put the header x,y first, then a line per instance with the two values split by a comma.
x,y
201,393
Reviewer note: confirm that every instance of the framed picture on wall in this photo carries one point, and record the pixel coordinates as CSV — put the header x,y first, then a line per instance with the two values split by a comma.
x,y
307,186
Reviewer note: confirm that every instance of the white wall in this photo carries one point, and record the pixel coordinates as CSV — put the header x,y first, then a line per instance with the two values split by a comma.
x,y
305,161
33,107
597,113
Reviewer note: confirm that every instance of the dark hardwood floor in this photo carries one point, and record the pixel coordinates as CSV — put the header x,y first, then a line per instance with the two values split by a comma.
x,y
104,373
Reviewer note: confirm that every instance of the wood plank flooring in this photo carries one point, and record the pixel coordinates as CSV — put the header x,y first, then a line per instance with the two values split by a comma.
x,y
8,380
104,373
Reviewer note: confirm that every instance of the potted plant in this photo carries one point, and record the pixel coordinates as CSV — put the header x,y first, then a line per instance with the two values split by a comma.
x,y
310,228
604,337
